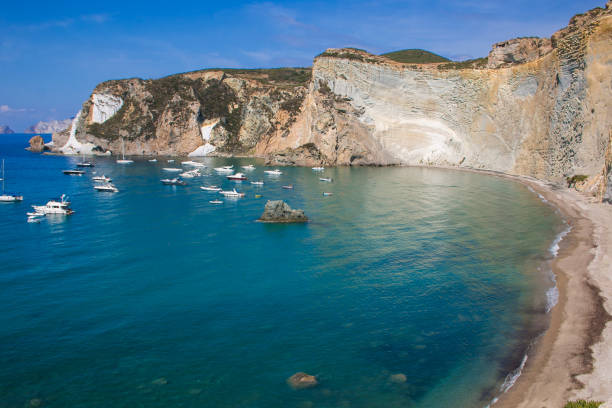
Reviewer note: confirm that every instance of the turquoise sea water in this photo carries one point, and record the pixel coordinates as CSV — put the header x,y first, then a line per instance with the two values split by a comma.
x,y
430,273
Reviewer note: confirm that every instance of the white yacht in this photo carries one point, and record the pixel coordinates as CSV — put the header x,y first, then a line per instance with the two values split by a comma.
x,y
102,178
211,188
173,182
84,163
8,198
107,187
193,164
248,167
329,180
232,193
318,168
216,202
123,160
74,172
55,207
225,169
257,183
237,177
191,174
172,169
275,172
153,160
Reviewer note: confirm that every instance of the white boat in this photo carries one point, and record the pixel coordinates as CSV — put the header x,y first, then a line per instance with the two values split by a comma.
x,y
123,160
107,187
318,168
84,163
172,169
216,202
248,167
257,183
289,187
237,176
193,164
170,160
173,182
275,172
191,174
232,193
211,188
327,194
225,169
34,219
329,180
8,198
102,178
55,207
153,160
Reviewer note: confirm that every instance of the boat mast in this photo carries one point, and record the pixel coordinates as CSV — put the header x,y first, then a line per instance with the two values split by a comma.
x,y
122,149
3,176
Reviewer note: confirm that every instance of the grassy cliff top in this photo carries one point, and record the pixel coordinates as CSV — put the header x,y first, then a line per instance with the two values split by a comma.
x,y
415,56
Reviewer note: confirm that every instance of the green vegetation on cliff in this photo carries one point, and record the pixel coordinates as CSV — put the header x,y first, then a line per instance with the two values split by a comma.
x,y
583,404
415,56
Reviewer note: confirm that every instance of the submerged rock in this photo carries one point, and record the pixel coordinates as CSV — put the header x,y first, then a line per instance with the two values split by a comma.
x,y
398,378
301,380
35,402
160,381
279,211
37,144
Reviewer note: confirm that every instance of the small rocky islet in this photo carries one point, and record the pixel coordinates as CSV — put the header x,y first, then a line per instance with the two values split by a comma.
x,y
278,211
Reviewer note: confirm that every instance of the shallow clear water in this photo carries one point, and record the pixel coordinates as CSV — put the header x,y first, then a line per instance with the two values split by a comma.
x,y
425,272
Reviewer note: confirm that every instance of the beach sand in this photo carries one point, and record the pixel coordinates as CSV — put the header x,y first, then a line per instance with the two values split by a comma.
x,y
573,358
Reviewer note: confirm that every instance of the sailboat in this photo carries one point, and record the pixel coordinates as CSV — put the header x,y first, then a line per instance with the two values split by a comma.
x,y
84,163
123,159
8,198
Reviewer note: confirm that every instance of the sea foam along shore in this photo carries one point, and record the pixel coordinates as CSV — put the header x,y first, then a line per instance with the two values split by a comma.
x,y
573,358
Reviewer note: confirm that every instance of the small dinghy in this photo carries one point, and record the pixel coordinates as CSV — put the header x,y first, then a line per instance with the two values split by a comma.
x,y
172,169
289,187
73,172
328,180
328,194
211,188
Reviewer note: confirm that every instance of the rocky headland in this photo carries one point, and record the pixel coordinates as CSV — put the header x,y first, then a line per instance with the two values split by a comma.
x,y
52,126
537,107
5,130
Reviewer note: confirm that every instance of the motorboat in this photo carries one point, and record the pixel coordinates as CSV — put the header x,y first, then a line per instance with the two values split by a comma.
x,y
257,183
216,202
102,178
248,167
211,188
275,172
174,182
327,194
84,163
191,174
172,169
232,193
193,164
60,206
123,160
237,176
170,160
107,187
329,180
225,169
318,168
152,160
289,187
74,172
8,198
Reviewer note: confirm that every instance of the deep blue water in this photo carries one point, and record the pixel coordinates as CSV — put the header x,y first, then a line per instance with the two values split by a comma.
x,y
426,272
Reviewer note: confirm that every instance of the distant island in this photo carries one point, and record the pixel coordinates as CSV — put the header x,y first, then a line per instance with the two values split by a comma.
x,y
51,126
5,130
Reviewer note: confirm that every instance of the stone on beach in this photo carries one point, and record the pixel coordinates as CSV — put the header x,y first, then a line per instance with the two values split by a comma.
x,y
301,380
279,211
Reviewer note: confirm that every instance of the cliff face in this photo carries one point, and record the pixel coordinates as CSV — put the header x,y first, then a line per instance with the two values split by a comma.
x,y
538,107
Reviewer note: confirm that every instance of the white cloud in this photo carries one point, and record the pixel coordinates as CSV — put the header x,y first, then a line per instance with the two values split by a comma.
x,y
8,109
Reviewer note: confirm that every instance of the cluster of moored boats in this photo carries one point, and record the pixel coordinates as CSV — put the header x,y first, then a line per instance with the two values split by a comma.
x,y
103,183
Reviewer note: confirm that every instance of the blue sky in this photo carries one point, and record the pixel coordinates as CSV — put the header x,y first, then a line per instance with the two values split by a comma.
x,y
53,53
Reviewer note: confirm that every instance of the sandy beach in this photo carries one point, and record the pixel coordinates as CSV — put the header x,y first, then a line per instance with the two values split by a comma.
x,y
573,358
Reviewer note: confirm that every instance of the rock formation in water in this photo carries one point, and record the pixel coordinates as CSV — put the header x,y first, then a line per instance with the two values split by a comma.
x,y
536,107
37,144
52,126
301,380
279,211
5,130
